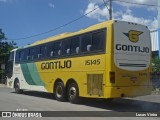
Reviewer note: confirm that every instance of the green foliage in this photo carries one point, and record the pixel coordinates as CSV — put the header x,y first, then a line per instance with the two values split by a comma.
x,y
156,65
2,35
5,48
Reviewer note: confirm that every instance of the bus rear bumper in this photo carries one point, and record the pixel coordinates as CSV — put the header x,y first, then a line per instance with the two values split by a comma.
x,y
128,91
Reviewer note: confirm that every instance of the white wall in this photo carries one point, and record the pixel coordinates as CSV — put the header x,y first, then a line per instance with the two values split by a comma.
x,y
154,40
158,13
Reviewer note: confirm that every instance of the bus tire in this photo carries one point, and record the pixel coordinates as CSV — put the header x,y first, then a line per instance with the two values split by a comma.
x,y
73,93
17,87
59,92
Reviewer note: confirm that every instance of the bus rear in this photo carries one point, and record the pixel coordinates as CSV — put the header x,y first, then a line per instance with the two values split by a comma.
x,y
130,71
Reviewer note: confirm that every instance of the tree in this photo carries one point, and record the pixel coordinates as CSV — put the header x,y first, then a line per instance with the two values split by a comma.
x,y
2,35
5,48
156,65
156,72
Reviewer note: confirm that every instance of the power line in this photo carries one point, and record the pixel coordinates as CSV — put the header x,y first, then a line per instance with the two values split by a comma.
x,y
105,2
109,9
70,22
137,3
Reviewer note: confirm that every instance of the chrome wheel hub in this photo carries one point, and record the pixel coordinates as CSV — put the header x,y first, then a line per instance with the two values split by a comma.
x,y
59,91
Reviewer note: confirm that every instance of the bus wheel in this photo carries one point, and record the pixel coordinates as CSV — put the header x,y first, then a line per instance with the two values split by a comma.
x,y
59,91
17,87
73,93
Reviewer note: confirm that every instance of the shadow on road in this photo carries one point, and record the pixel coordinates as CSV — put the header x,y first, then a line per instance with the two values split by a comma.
x,y
121,105
124,105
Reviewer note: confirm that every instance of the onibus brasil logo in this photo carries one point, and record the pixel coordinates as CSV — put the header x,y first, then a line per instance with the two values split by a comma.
x,y
133,35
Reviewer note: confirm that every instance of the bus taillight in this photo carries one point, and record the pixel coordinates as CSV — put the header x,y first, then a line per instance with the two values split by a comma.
x,y
112,77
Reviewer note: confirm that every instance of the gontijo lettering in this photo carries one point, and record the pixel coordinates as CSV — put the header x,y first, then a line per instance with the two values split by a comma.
x,y
132,48
56,65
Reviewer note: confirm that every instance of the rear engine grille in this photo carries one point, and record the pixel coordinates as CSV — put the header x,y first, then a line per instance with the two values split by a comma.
x,y
95,84
132,65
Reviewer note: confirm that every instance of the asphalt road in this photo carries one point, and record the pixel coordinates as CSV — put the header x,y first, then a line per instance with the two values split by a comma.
x,y
39,101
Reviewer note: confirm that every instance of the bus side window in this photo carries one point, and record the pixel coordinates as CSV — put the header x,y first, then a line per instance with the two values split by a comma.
x,y
26,54
17,56
86,43
98,39
66,47
75,43
49,50
57,49
21,55
11,56
89,48
30,55
40,52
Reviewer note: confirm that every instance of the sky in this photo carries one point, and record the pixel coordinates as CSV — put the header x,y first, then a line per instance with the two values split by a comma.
x,y
29,18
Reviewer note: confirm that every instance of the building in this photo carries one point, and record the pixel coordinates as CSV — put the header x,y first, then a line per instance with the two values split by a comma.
x,y
155,44
155,36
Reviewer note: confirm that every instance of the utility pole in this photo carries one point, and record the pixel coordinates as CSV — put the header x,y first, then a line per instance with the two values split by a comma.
x,y
158,27
110,9
158,14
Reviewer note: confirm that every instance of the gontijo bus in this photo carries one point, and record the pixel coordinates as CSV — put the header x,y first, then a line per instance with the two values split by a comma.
x,y
106,60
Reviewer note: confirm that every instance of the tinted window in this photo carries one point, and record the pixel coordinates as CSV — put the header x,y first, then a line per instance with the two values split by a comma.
x,y
11,56
39,52
75,43
21,55
29,53
86,43
26,52
57,48
66,47
17,56
98,41
50,50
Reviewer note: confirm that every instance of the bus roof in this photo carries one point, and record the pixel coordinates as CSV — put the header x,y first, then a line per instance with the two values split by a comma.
x,y
69,34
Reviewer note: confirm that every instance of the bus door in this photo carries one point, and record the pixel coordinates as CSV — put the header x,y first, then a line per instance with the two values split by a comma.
x,y
10,68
